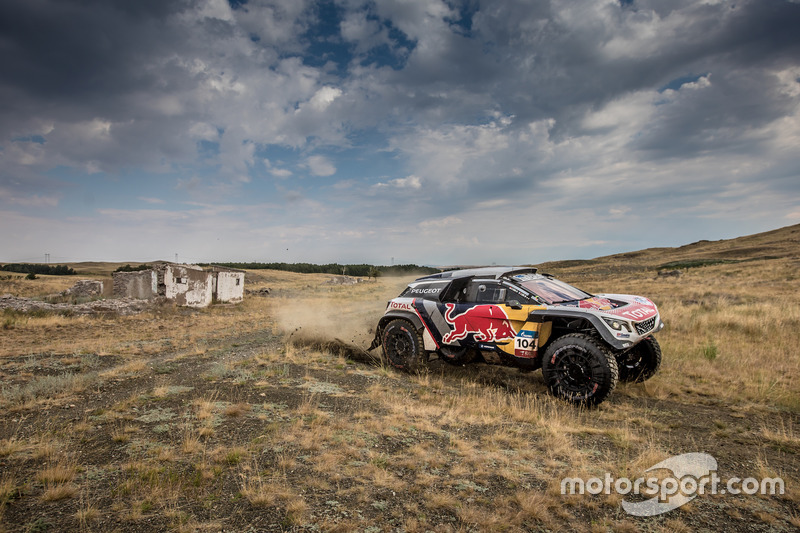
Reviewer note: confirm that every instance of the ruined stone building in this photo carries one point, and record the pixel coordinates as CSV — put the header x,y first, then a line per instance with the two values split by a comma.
x,y
188,285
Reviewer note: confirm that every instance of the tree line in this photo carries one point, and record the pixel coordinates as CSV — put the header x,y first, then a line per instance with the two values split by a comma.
x,y
129,268
362,270
28,268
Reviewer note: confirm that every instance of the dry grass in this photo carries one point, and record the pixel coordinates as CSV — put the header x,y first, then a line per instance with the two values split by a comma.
x,y
270,492
59,492
88,513
191,443
43,285
731,332
11,446
293,433
204,408
60,473
123,434
237,410
8,489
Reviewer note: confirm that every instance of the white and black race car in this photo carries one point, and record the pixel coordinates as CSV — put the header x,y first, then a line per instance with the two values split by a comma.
x,y
515,316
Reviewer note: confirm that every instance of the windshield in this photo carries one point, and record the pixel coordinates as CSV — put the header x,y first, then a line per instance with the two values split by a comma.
x,y
552,291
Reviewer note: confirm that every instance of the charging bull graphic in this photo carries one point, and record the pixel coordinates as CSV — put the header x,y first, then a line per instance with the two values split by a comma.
x,y
489,323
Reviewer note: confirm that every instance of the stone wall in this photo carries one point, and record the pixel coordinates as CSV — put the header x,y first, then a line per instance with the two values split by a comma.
x,y
121,306
85,287
141,285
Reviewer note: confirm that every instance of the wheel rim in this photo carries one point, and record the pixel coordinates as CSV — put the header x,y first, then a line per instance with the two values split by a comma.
x,y
572,370
631,362
398,346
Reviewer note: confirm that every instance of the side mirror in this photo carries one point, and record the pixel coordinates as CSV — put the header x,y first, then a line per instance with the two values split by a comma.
x,y
514,304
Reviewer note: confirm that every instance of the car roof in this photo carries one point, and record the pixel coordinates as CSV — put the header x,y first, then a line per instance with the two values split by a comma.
x,y
488,272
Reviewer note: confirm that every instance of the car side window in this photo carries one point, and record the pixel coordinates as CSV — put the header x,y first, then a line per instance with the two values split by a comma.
x,y
485,292
455,292
520,298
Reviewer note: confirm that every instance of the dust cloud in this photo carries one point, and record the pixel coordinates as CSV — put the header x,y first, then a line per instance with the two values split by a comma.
x,y
337,315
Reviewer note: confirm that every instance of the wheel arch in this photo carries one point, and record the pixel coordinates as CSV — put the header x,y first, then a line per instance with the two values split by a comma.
x,y
568,316
393,315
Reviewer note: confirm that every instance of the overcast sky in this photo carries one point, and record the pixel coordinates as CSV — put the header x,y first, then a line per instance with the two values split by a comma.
x,y
414,131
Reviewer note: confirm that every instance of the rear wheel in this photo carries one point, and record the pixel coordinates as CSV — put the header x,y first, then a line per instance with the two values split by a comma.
x,y
402,346
641,362
580,369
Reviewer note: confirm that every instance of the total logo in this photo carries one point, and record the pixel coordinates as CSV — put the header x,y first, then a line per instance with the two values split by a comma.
x,y
405,306
640,313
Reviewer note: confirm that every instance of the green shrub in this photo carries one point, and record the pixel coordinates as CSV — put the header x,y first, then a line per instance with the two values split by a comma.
x,y
710,351
128,268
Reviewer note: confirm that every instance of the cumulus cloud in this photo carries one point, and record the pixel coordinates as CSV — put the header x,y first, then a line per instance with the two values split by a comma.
x,y
320,166
280,172
324,97
615,109
410,183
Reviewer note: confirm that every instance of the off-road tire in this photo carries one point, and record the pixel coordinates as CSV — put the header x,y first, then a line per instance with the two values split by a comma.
x,y
457,356
641,362
402,347
580,369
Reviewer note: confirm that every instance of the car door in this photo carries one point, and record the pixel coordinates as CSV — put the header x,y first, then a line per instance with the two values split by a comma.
x,y
479,313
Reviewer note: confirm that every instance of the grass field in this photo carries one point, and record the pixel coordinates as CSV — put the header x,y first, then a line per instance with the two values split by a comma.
x,y
269,416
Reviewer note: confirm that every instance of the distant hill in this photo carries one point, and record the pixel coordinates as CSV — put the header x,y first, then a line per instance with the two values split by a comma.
x,y
776,244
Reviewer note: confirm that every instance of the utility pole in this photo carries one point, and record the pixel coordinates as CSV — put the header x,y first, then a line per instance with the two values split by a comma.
x,y
176,257
47,259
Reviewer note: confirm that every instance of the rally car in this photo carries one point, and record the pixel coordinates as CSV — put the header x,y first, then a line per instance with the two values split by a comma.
x,y
515,316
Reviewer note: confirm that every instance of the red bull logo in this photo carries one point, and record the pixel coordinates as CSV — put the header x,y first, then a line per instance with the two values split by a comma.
x,y
489,323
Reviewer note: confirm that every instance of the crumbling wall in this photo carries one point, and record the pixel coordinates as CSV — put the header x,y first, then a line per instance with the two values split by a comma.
x,y
185,284
188,285
141,285
229,286
85,287
120,306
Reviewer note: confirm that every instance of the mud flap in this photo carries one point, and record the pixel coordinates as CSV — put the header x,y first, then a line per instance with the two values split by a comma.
x,y
427,341
376,341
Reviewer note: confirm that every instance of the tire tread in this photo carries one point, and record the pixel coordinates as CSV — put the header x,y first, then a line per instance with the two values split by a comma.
x,y
610,360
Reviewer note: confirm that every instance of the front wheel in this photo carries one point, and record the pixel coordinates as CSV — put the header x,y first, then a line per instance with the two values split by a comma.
x,y
641,362
580,369
402,346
